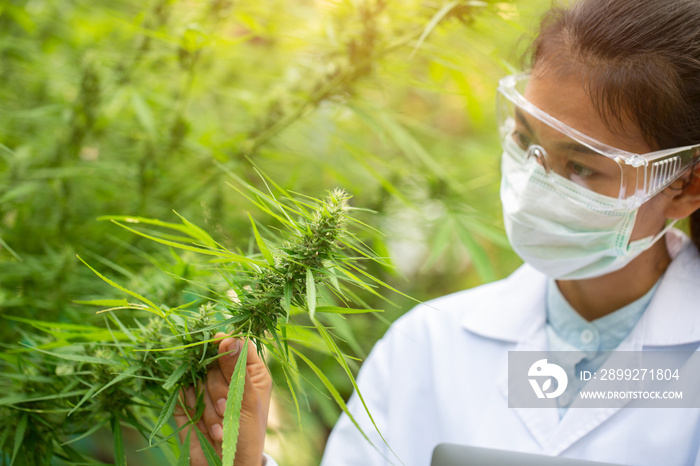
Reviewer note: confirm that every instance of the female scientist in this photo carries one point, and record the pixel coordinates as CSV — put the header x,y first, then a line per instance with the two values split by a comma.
x,y
601,141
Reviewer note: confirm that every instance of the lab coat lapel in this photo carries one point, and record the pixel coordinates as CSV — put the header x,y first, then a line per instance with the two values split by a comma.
x,y
578,422
552,434
517,317
540,422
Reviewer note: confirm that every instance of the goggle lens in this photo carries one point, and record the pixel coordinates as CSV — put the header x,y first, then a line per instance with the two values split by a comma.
x,y
561,155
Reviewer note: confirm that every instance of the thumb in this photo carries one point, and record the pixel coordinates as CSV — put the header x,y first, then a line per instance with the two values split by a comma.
x,y
230,349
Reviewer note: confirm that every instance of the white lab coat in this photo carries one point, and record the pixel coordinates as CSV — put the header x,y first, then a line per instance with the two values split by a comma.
x,y
440,375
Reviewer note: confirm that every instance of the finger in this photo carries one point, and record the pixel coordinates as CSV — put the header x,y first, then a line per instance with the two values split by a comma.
x,y
212,420
258,388
230,348
217,386
203,428
182,417
196,448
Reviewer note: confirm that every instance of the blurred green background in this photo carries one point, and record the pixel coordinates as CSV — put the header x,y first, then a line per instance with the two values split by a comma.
x,y
127,107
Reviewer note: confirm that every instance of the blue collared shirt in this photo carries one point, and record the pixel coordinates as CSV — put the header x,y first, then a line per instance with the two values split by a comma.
x,y
585,341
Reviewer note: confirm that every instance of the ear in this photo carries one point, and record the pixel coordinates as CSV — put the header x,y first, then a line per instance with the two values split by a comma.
x,y
686,195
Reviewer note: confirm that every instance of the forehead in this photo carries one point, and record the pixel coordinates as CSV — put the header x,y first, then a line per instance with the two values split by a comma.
x,y
565,98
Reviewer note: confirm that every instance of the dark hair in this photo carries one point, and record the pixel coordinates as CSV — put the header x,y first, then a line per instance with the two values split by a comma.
x,y
639,60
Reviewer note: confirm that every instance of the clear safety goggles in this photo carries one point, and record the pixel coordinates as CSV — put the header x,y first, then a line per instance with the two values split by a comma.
x,y
628,179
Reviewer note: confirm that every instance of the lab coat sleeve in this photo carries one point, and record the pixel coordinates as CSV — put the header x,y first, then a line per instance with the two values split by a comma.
x,y
346,444
269,461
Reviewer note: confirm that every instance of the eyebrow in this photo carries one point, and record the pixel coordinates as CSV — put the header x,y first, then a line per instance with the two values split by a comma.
x,y
522,120
580,148
564,146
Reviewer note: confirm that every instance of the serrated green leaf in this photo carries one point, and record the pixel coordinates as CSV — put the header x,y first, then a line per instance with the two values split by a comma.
x,y
333,279
334,393
19,436
212,252
209,452
344,331
287,299
105,302
196,232
340,358
165,414
261,243
376,280
123,328
434,21
292,383
184,459
345,310
65,331
86,397
232,414
152,307
311,293
14,399
175,377
10,250
28,378
148,221
85,434
127,373
306,337
76,357
119,453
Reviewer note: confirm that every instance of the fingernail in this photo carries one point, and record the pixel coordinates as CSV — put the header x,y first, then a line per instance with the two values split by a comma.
x,y
234,347
221,406
217,432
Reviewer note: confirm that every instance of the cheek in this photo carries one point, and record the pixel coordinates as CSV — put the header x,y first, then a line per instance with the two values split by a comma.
x,y
650,218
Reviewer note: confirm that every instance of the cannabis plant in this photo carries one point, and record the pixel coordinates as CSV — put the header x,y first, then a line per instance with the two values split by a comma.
x,y
69,380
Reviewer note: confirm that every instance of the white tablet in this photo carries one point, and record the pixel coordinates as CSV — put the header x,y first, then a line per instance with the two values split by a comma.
x,y
447,454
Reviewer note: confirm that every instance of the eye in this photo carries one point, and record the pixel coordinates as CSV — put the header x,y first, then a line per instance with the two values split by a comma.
x,y
579,170
522,140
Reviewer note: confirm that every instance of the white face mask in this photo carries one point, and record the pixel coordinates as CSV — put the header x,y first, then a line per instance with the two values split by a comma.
x,y
565,236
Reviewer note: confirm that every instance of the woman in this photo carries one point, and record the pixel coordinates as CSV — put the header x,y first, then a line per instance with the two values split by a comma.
x,y
609,79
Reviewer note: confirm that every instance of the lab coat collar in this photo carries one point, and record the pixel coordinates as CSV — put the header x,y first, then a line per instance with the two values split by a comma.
x,y
516,307
511,309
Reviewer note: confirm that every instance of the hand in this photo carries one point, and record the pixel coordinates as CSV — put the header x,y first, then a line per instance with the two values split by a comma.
x,y
254,409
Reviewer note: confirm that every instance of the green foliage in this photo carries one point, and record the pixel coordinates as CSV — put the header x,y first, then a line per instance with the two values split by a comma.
x,y
134,109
